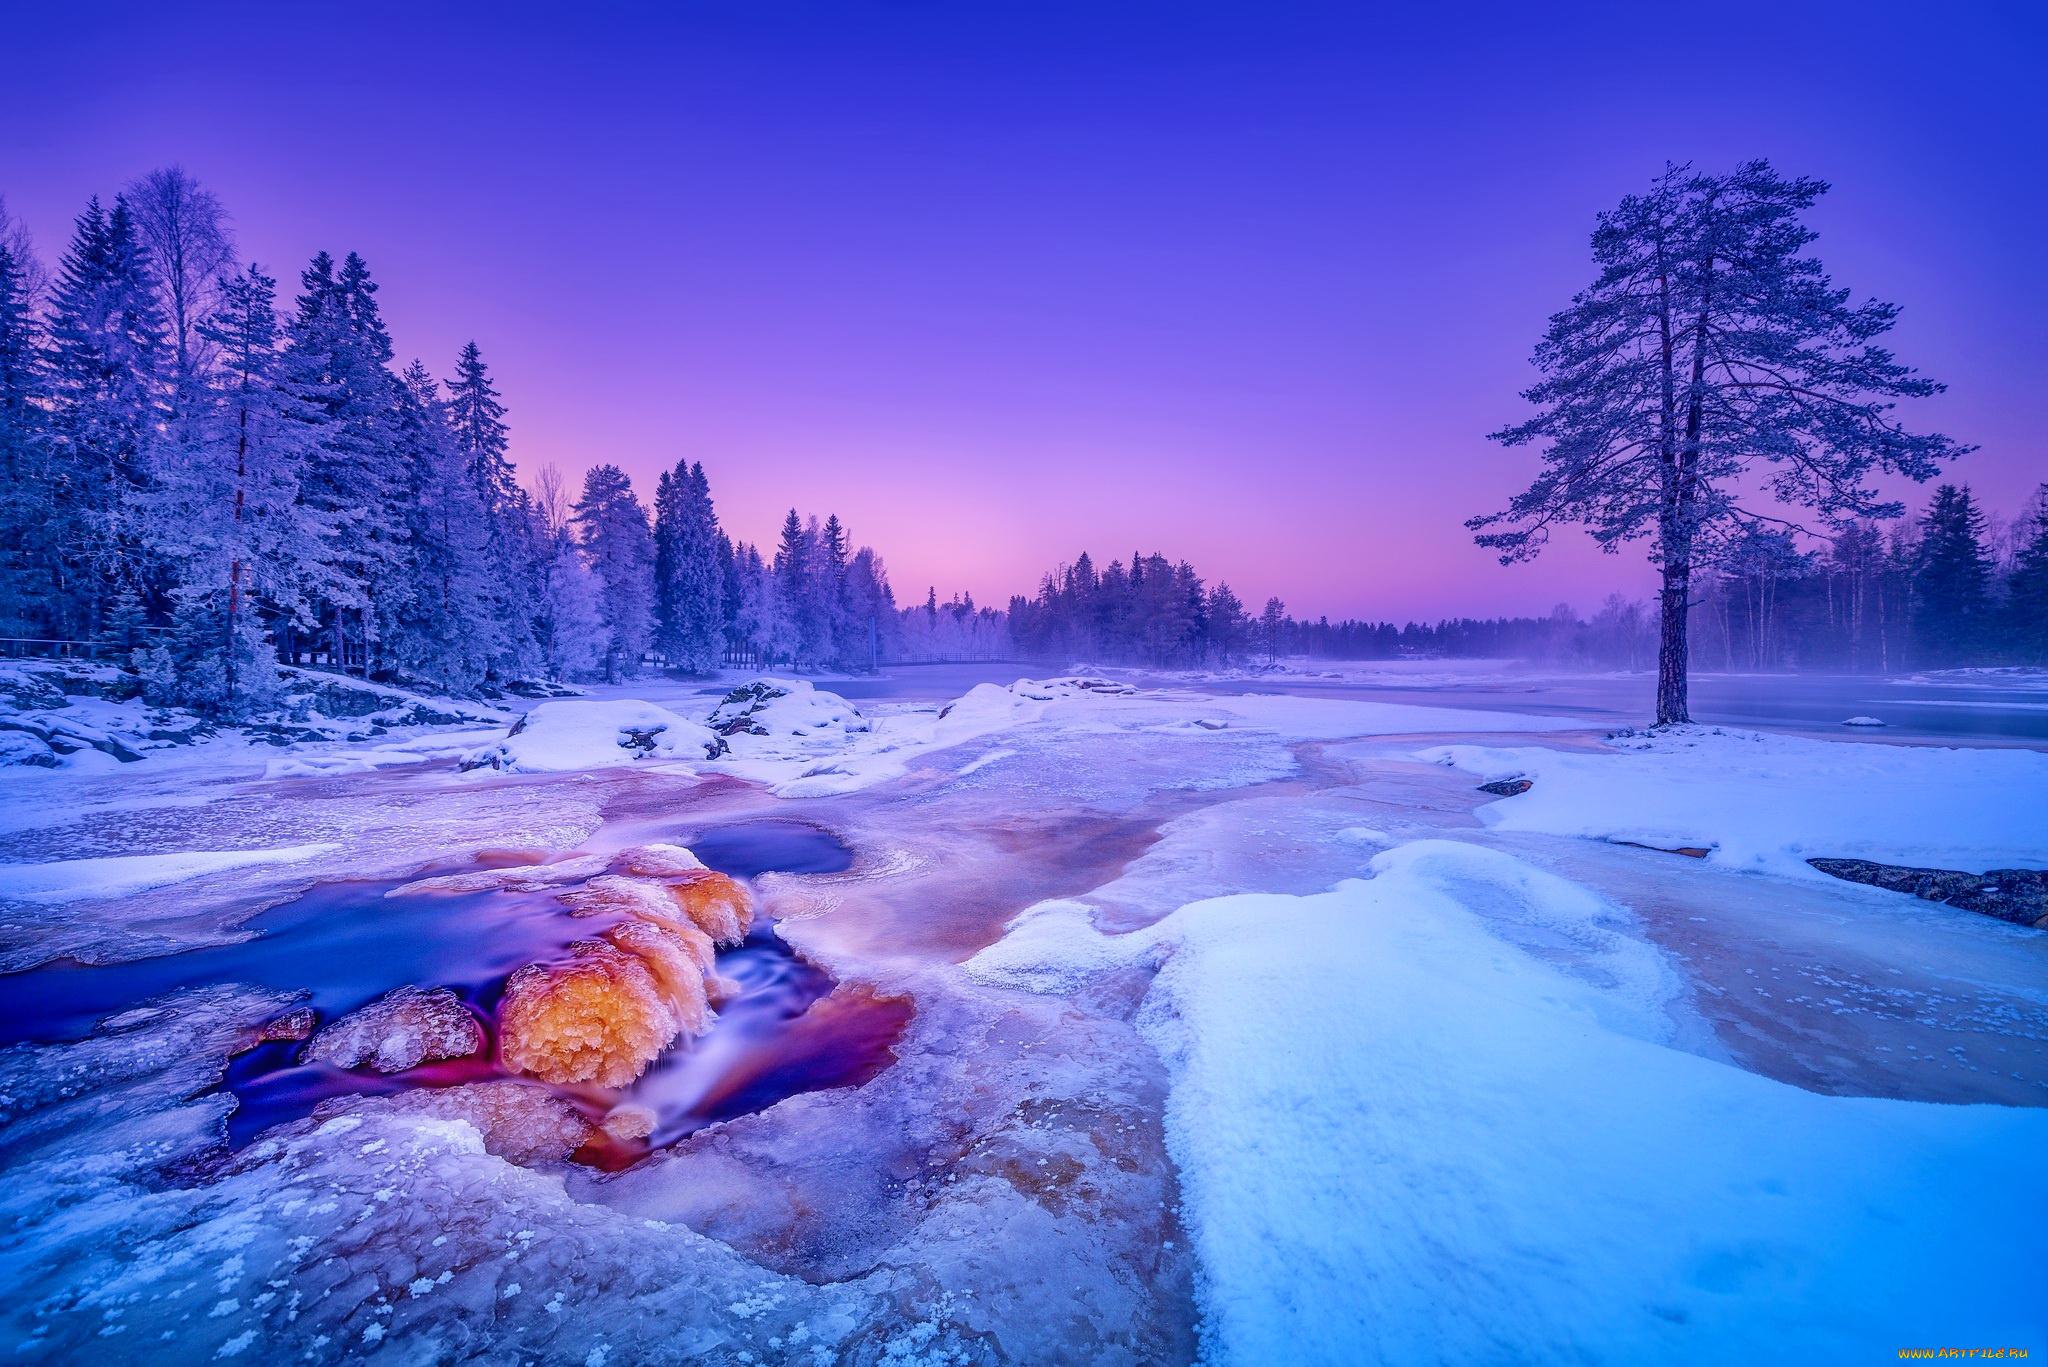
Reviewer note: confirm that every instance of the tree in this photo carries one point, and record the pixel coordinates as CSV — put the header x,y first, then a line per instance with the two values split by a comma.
x,y
1272,623
226,514
2026,592
1711,379
27,555
339,355
183,232
476,420
105,343
611,527
1952,586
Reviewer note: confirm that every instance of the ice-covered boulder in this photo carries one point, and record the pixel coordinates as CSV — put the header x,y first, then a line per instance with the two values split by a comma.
x,y
22,748
521,1122
400,1030
785,708
602,1017
587,734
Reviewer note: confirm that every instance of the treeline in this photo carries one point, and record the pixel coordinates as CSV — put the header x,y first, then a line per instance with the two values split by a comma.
x,y
1942,590
205,481
1945,589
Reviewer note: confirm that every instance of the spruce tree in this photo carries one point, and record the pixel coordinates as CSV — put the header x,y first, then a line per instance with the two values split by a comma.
x,y
1952,585
105,343
28,564
2026,592
357,478
612,531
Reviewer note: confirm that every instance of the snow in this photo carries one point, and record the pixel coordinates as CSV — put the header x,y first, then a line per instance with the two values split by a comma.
x,y
1404,1139
74,880
577,734
1771,802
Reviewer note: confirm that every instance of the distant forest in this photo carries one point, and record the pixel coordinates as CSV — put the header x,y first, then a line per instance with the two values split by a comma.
x,y
1945,589
201,481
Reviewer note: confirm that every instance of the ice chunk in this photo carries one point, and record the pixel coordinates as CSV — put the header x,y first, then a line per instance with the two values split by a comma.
x,y
657,861
677,971
521,1122
73,880
520,878
401,1029
601,1017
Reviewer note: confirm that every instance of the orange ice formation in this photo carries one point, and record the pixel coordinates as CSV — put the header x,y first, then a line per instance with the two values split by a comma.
x,y
609,1011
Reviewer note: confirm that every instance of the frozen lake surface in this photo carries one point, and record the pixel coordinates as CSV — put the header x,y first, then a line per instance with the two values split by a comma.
x,y
1097,1023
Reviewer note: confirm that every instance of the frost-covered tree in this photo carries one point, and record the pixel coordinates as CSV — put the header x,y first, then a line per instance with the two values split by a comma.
x,y
183,232
1952,585
443,625
102,363
339,356
689,586
611,528
27,552
1711,378
476,421
226,514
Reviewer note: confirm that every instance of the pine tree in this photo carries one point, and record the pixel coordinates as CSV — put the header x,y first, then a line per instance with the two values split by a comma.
x,y
1709,364
102,361
476,420
612,531
2026,592
1272,629
28,554
443,625
357,478
1952,586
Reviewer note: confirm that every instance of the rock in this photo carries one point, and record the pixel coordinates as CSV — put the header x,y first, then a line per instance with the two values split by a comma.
x,y
1507,787
657,861
19,747
735,713
520,878
719,906
630,1121
1863,721
400,1030
292,1025
2016,895
601,1018
521,1122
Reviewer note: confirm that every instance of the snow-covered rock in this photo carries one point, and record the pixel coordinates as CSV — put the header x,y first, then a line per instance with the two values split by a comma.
x,y
521,1122
400,1030
566,735
784,708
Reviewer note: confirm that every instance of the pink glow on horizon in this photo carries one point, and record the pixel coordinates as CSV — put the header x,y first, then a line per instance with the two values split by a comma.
x,y
1003,283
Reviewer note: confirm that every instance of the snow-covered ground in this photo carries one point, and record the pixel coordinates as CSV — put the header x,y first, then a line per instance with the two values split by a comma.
x,y
1244,1027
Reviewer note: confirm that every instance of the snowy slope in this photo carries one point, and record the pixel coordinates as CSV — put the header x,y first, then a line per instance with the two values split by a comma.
x,y
1770,802
1404,1140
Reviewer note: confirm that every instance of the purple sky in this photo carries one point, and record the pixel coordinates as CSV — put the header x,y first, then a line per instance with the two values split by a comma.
x,y
999,281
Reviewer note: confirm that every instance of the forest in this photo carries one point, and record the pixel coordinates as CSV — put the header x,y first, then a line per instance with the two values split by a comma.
x,y
202,478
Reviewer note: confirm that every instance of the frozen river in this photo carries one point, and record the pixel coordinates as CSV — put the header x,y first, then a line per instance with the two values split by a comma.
x,y
1984,708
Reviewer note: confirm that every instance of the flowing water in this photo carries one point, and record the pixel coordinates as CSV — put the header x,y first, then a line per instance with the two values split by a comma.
x,y
788,1030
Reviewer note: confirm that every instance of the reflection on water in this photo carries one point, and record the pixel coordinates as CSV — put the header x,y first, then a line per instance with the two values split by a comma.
x,y
346,944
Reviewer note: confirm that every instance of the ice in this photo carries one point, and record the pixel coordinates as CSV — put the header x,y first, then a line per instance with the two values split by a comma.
x,y
601,1017
74,880
520,1122
575,734
400,1030
1405,1139
1771,802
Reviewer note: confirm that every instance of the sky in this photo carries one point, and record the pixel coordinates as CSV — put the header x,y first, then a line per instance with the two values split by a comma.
x,y
999,282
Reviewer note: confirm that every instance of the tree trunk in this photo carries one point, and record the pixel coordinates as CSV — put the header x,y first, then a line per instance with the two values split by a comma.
x,y
1671,646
